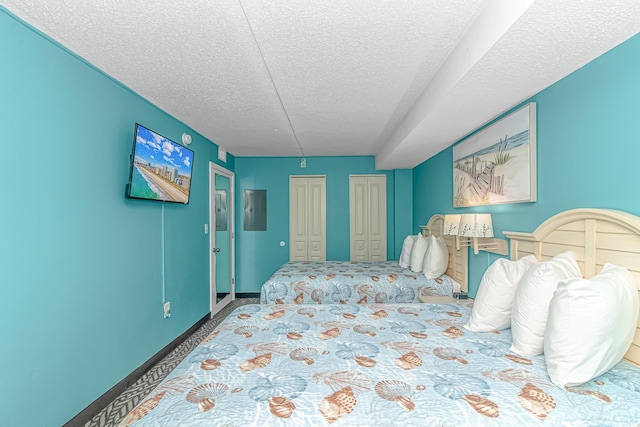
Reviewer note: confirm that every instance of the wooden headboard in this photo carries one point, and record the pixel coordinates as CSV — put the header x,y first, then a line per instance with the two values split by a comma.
x,y
458,268
596,237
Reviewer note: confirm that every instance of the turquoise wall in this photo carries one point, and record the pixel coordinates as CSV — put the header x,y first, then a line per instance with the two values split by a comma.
x,y
259,254
588,151
81,266
403,202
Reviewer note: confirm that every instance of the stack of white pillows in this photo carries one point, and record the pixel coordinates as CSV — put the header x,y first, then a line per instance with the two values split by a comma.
x,y
583,326
427,255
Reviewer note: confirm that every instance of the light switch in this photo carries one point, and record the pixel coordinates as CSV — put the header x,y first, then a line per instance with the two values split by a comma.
x,y
206,229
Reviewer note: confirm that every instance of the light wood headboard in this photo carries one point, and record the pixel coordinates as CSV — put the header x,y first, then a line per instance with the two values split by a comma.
x,y
458,268
596,237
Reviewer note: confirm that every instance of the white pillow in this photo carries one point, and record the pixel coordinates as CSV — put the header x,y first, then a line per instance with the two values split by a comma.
x,y
492,308
531,301
417,253
405,255
591,325
436,258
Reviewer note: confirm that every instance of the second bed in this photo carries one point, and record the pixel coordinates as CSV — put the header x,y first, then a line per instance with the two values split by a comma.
x,y
339,282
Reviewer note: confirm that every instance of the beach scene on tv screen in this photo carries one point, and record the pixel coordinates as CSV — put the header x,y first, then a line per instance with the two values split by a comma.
x,y
161,168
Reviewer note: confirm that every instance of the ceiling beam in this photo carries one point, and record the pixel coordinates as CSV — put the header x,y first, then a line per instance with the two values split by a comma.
x,y
493,21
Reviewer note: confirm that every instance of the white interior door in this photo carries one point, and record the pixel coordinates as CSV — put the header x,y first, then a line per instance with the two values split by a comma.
x,y
377,195
222,235
359,218
307,218
316,226
368,217
298,219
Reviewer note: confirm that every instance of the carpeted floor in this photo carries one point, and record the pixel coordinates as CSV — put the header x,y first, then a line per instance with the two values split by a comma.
x,y
123,404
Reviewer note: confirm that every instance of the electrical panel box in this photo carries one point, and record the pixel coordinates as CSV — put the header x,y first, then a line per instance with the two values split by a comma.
x,y
255,210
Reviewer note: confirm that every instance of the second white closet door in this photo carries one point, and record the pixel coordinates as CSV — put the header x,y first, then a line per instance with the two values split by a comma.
x,y
368,217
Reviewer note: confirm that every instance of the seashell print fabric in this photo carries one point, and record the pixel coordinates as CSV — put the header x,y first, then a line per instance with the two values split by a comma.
x,y
344,282
374,365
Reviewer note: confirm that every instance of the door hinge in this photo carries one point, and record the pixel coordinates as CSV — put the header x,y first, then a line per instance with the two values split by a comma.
x,y
233,281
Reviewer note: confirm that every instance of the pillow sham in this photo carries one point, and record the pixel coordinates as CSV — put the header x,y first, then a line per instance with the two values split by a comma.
x,y
492,308
405,254
591,325
531,301
436,258
417,253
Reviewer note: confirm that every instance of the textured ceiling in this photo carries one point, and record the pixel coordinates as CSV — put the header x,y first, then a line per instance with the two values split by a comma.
x,y
397,79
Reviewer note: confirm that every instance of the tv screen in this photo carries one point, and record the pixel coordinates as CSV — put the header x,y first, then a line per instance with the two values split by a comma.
x,y
160,168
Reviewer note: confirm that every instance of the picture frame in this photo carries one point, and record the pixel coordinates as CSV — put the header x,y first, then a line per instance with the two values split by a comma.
x,y
497,165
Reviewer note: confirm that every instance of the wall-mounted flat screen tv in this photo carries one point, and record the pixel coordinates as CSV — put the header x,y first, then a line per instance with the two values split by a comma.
x,y
160,168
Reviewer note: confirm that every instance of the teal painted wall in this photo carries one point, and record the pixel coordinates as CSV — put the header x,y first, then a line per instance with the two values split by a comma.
x,y
587,151
259,254
80,265
403,201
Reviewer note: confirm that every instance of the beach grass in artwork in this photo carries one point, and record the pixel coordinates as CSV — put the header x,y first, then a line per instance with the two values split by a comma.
x,y
503,155
497,164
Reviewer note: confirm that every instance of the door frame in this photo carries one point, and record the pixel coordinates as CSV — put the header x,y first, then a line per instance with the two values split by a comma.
x,y
214,305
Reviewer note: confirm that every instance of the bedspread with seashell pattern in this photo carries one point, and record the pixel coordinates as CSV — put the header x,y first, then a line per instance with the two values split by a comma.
x,y
339,282
374,365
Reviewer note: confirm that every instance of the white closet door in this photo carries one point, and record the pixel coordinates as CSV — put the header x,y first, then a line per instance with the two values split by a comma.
x,y
368,217
297,219
377,195
359,218
307,218
316,224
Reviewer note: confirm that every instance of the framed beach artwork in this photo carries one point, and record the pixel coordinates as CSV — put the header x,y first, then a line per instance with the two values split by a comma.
x,y
497,164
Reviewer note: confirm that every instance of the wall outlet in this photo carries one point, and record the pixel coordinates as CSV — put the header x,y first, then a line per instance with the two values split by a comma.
x,y
167,309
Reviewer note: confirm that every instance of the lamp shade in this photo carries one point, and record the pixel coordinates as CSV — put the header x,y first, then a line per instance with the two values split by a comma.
x,y
476,225
451,225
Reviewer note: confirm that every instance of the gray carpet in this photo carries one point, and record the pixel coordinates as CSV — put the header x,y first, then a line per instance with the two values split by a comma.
x,y
123,404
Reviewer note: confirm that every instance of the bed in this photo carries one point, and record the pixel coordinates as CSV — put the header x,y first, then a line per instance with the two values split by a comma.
x,y
595,236
301,282
399,364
